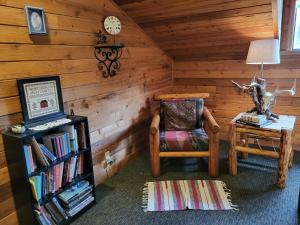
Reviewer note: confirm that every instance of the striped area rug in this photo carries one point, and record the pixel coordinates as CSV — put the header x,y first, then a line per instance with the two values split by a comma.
x,y
186,194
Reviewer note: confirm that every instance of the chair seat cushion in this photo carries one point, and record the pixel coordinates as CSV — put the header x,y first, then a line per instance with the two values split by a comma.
x,y
190,140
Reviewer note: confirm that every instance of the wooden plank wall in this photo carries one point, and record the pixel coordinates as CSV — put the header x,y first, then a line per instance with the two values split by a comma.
x,y
118,108
226,102
203,29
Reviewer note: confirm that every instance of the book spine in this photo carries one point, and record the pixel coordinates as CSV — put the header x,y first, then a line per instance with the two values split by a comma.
x,y
27,159
75,140
33,187
67,138
58,147
32,159
38,185
81,136
47,153
61,145
57,175
54,147
60,209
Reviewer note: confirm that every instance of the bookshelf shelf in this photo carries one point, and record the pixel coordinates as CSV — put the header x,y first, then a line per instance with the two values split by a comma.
x,y
59,160
49,197
17,161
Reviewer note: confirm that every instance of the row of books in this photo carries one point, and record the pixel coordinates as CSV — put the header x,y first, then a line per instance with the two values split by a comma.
x,y
51,213
68,204
56,177
54,146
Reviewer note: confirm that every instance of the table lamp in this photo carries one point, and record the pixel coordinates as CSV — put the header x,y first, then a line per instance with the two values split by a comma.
x,y
264,52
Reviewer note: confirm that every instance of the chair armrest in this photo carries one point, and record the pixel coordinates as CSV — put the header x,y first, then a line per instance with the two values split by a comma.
x,y
154,128
211,122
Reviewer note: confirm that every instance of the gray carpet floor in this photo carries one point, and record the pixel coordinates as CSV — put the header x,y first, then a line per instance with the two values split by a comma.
x,y
253,190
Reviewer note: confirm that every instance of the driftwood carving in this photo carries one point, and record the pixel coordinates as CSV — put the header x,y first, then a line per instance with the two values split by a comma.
x,y
262,99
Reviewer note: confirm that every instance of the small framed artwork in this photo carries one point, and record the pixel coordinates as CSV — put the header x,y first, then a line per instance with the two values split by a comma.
x,y
41,99
35,20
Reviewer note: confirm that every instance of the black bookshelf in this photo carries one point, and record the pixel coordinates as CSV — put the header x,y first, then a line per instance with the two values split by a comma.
x,y
21,189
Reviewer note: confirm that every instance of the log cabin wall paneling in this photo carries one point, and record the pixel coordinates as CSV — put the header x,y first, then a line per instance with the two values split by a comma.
x,y
118,108
215,77
209,41
225,101
203,29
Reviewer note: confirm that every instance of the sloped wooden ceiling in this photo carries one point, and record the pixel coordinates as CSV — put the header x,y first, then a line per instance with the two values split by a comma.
x,y
203,29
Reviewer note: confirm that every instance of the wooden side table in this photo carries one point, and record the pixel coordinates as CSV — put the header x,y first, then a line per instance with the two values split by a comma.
x,y
281,130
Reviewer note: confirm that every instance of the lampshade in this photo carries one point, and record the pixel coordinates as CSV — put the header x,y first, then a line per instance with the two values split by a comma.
x,y
264,52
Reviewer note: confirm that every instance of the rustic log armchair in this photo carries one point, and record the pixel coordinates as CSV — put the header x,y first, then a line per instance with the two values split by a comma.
x,y
183,127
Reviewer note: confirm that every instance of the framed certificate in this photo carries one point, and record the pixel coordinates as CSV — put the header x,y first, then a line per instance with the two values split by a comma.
x,y
41,99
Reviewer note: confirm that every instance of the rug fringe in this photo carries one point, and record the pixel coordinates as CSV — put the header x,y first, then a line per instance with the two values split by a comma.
x,y
228,195
145,197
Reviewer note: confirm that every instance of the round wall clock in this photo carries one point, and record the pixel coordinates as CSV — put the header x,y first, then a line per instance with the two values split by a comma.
x,y
112,25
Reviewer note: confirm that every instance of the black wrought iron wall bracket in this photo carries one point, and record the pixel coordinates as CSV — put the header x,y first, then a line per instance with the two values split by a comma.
x,y
108,56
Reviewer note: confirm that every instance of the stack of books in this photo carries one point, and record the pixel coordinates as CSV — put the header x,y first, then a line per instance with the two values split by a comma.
x,y
253,119
76,198
51,213
54,178
68,204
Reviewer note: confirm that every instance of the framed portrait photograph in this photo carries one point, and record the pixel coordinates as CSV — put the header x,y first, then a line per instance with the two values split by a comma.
x,y
35,20
41,99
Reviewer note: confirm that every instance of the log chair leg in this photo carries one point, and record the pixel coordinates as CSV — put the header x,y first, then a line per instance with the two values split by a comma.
x,y
154,155
213,160
285,146
232,155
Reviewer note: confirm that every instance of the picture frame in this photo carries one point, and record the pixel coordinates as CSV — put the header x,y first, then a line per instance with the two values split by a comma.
x,y
35,20
41,99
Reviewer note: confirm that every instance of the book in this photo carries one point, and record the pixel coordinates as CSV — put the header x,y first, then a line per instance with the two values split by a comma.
x,y
78,198
27,159
41,219
41,158
49,155
253,118
70,130
32,158
46,214
53,211
77,208
73,191
67,140
36,187
59,208
259,125
57,143
81,133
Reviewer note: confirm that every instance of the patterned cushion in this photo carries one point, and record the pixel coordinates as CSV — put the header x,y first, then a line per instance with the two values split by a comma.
x,y
183,114
183,140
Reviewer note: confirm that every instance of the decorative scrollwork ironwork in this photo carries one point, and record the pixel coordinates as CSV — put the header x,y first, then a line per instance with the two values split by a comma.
x,y
108,56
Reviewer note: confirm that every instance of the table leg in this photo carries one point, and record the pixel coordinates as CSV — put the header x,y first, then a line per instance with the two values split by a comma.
x,y
232,155
291,158
244,142
283,162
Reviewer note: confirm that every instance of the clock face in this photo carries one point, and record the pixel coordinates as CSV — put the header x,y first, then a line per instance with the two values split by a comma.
x,y
112,25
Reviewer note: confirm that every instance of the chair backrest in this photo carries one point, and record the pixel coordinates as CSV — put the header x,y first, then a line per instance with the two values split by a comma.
x,y
181,114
